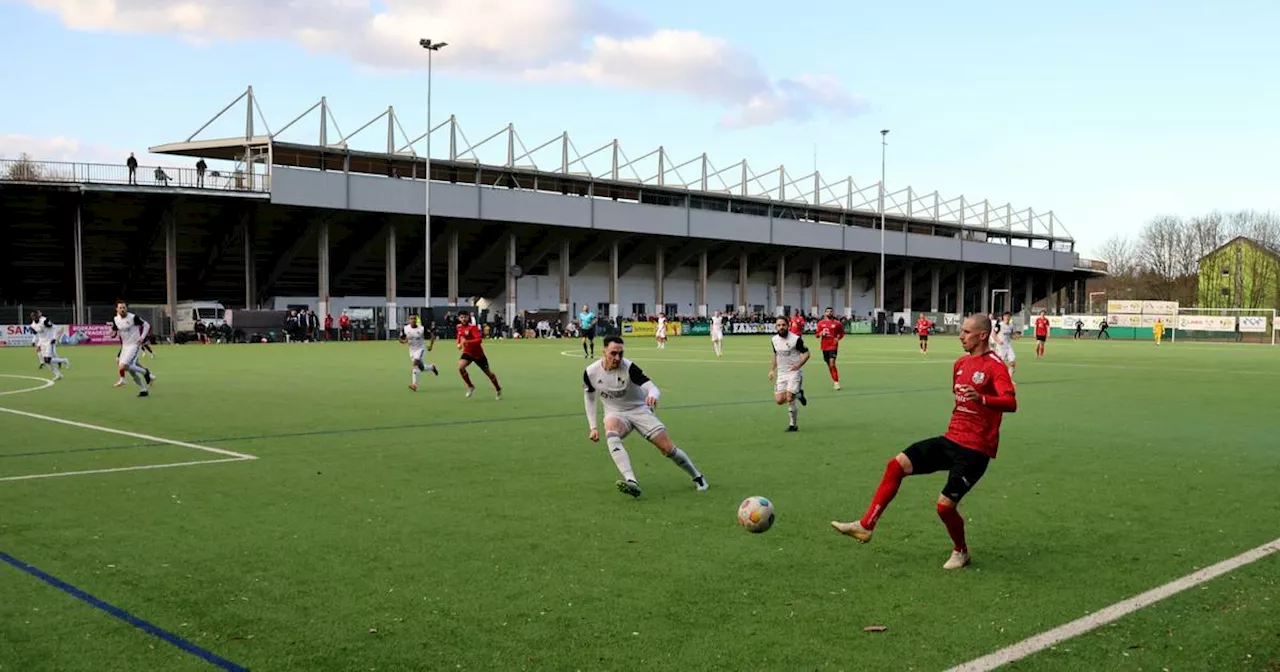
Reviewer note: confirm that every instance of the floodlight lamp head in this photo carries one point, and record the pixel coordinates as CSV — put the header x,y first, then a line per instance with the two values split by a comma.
x,y
884,132
426,43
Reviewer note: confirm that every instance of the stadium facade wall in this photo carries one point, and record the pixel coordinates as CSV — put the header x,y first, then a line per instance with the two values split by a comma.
x,y
373,193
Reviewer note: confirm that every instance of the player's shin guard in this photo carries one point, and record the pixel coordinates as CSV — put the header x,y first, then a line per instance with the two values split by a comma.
x,y
792,410
682,460
620,457
415,375
889,484
955,525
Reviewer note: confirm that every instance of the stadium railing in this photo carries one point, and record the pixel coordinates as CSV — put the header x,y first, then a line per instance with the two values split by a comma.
x,y
33,171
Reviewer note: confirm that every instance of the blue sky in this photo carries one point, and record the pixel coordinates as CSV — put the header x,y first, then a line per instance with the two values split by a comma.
x,y
1106,115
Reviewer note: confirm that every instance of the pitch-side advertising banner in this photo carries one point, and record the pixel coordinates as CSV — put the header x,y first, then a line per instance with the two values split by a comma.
x,y
1207,322
1254,324
91,334
13,335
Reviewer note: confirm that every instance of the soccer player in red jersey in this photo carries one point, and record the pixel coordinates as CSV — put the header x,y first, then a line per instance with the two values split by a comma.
x,y
469,337
797,323
923,325
831,331
1042,334
984,392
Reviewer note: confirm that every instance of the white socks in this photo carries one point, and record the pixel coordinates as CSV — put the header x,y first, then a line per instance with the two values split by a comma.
x,y
682,460
620,457
792,409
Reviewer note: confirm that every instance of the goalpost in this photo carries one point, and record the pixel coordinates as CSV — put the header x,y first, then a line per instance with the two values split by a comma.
x,y
1224,325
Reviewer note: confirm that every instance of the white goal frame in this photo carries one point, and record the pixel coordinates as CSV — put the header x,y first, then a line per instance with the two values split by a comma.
x,y
1269,313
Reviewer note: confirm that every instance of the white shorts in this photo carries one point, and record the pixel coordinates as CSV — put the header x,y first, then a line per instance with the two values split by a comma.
x,y
788,381
48,350
416,354
128,355
1006,353
717,335
662,334
642,420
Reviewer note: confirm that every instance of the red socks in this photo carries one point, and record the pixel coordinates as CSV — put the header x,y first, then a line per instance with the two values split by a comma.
x,y
466,378
835,374
893,475
494,379
955,525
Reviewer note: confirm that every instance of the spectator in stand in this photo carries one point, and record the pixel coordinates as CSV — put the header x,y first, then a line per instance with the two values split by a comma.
x,y
132,165
313,321
201,166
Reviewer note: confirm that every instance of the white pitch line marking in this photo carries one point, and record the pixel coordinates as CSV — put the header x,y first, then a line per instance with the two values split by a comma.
x,y
135,435
1114,612
45,383
119,469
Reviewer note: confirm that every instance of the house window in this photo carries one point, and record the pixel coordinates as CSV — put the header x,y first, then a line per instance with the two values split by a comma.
x,y
1226,291
1226,270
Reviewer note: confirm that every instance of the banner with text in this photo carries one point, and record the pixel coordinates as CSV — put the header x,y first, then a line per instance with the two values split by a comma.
x,y
1253,324
91,334
16,335
1207,322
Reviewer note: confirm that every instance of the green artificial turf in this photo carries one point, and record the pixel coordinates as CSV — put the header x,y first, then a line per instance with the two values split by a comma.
x,y
382,529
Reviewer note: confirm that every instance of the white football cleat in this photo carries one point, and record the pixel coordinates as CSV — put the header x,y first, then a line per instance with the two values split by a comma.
x,y
957,560
470,391
853,529
700,482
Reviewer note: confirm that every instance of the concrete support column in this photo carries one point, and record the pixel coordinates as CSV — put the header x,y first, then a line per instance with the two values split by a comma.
x,y
848,288
935,288
565,309
1009,306
780,288
815,305
1029,298
511,279
81,310
742,281
453,267
392,289
170,265
250,265
322,305
702,284
984,302
907,277
613,280
962,308
659,273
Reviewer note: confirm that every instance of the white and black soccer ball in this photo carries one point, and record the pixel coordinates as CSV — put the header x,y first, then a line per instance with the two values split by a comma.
x,y
756,514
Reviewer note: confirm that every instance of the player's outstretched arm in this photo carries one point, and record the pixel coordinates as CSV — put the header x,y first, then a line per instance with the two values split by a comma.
x,y
1005,399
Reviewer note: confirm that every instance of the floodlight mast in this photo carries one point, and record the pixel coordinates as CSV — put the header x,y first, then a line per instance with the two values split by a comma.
x,y
884,144
431,48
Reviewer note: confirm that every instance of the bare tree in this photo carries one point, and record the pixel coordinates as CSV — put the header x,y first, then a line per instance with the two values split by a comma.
x,y
24,169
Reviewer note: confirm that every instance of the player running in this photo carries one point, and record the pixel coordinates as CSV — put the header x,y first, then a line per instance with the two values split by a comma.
x,y
414,335
831,332
661,333
469,338
587,321
1004,342
1042,333
797,323
46,343
132,332
984,392
717,333
1157,330
923,325
789,355
629,399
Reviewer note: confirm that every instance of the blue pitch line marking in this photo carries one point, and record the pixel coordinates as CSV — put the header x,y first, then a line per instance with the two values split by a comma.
x,y
476,421
123,615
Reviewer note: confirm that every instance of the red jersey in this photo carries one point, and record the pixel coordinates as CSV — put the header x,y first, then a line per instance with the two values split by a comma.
x,y
976,424
923,326
797,325
469,335
830,331
1042,326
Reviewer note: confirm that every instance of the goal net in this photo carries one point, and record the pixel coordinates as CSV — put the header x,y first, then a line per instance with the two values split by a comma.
x,y
1224,325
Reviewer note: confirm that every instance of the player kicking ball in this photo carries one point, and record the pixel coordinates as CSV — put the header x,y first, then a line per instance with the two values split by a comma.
x,y
414,335
983,394
469,342
629,399
790,354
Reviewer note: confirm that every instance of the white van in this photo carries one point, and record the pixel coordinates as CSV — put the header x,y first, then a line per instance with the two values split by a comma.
x,y
188,313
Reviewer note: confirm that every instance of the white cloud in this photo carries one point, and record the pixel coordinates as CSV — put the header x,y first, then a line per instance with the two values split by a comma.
x,y
562,40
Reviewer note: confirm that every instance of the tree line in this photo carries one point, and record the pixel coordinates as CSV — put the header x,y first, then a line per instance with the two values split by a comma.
x,y
1162,262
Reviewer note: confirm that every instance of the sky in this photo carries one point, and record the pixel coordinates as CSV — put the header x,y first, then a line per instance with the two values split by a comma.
x,y
1107,114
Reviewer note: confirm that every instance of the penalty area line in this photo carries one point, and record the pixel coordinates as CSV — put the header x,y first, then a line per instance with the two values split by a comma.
x,y
135,435
1114,612
113,470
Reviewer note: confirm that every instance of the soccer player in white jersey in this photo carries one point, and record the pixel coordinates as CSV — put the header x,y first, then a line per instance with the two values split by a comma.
x,y
717,333
790,354
132,332
414,335
46,342
1004,342
661,333
629,399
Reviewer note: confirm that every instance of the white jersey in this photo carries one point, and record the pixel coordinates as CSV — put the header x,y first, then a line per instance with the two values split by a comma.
x,y
131,329
44,332
717,325
1006,335
416,337
662,326
789,349
623,389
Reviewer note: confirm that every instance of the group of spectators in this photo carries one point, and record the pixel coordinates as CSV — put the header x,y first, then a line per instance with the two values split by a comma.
x,y
305,325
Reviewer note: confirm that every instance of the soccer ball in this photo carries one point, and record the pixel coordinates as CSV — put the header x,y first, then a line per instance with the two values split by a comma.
x,y
756,514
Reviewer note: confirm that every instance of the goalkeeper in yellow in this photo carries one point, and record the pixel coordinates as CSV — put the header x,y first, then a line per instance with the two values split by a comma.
x,y
1158,330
